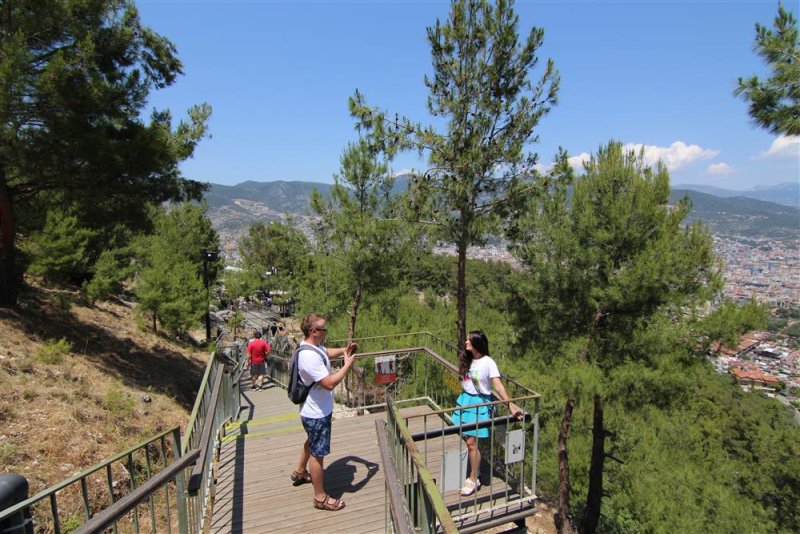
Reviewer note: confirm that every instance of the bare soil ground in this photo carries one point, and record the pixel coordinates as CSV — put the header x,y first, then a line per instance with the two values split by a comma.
x,y
111,387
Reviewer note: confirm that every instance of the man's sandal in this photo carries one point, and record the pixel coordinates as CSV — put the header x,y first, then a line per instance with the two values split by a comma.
x,y
334,506
300,478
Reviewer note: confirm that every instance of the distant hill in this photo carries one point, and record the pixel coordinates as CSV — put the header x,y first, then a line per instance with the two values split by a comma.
x,y
233,208
741,216
787,193
278,196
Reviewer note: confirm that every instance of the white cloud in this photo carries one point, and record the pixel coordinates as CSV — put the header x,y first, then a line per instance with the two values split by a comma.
x,y
719,168
576,162
675,156
783,146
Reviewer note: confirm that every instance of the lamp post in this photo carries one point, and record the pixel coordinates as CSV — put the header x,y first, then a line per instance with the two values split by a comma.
x,y
208,256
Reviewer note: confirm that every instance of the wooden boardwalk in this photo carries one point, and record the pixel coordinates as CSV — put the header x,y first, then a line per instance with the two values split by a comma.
x,y
254,493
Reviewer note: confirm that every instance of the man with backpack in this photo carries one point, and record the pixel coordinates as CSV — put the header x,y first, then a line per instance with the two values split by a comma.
x,y
314,368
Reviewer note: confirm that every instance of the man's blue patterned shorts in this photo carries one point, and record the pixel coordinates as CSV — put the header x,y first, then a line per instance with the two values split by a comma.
x,y
319,435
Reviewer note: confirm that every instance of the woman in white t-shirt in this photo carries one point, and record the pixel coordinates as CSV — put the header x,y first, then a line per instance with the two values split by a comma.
x,y
478,373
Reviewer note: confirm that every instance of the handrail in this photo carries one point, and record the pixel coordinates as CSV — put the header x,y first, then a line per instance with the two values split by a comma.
x,y
503,420
424,476
197,403
113,513
83,474
200,467
398,508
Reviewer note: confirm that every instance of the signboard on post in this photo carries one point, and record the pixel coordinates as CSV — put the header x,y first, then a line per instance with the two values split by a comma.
x,y
451,381
385,369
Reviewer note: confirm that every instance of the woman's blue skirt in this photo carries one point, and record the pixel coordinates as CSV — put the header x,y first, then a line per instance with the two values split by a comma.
x,y
473,415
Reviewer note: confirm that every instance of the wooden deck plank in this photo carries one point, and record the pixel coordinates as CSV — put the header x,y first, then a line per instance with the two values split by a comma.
x,y
254,493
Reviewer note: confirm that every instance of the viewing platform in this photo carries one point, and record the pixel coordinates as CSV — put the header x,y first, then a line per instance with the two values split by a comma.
x,y
259,451
397,458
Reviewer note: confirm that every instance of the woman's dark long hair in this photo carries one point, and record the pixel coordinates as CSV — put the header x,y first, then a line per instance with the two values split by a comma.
x,y
480,343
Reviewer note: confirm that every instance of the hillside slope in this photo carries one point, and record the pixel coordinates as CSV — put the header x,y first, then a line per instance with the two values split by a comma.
x,y
69,405
739,216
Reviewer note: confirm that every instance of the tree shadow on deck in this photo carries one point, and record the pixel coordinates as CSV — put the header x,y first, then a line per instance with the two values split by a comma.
x,y
340,475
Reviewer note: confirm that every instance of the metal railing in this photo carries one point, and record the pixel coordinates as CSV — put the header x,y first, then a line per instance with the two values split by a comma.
x,y
71,503
425,466
166,483
156,486
421,498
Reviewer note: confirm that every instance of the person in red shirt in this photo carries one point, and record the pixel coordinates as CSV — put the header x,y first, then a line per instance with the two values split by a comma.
x,y
257,352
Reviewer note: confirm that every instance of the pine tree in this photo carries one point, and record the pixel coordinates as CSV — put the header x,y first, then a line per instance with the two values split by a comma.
x,y
481,90
59,250
775,102
605,257
273,255
74,79
169,284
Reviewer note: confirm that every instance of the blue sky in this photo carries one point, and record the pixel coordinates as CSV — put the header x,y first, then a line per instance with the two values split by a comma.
x,y
658,74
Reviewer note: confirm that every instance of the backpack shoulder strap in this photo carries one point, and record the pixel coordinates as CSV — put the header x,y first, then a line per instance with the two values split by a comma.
x,y
303,346
296,358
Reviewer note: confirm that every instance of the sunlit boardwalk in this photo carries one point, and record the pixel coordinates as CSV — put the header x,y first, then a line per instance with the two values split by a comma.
x,y
254,493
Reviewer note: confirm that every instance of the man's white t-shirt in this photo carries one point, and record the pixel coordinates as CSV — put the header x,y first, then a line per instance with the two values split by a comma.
x,y
312,368
480,376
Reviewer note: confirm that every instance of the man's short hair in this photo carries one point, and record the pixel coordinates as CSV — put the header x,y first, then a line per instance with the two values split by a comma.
x,y
256,334
309,322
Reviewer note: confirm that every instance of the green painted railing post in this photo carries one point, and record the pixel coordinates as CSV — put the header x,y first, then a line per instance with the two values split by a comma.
x,y
180,486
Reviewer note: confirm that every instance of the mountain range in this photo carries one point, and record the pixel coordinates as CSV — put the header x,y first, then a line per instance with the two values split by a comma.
x,y
732,213
787,193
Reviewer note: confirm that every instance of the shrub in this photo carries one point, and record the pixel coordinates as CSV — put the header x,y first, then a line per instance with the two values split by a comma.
x,y
54,352
118,403
7,453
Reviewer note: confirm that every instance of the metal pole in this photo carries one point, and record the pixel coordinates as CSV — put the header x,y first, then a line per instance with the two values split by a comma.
x,y
208,299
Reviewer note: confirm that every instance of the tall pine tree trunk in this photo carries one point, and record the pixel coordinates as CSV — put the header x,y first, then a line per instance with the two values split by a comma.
x,y
351,334
591,517
8,276
461,293
562,517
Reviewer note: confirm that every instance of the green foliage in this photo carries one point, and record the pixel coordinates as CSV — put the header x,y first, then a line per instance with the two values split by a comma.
x,y
482,93
8,452
273,255
240,283
72,523
169,285
609,269
54,352
775,102
234,324
793,329
356,229
729,320
608,259
118,403
59,251
75,77
111,269
170,289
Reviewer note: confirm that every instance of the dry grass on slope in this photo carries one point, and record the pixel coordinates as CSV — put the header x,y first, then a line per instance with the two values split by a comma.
x,y
80,384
